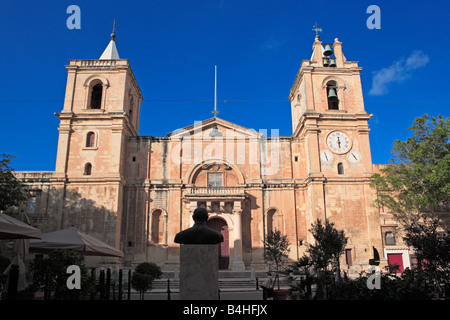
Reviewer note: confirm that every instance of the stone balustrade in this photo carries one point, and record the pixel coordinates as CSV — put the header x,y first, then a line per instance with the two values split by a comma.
x,y
216,190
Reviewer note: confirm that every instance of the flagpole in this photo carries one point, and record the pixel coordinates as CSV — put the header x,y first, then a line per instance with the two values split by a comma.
x,y
215,90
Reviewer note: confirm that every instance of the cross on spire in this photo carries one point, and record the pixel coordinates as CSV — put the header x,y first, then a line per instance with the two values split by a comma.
x,y
317,29
113,34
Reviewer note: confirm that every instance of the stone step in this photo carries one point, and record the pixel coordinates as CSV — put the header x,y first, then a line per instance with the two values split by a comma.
x,y
225,274
227,282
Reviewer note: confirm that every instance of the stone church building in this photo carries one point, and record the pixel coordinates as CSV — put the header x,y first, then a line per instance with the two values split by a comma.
x,y
137,192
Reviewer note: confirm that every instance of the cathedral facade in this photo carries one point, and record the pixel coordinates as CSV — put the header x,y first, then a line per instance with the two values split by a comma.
x,y
137,192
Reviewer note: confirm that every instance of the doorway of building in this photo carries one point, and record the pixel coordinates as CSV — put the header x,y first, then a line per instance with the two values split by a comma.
x,y
224,248
395,259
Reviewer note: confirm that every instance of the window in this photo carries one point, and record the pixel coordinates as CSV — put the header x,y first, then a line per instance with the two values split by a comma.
x,y
157,226
31,205
90,140
96,96
340,168
214,179
348,257
131,105
274,221
87,169
333,101
389,239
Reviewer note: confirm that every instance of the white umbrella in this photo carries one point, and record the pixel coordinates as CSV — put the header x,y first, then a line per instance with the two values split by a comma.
x,y
73,239
11,228
20,250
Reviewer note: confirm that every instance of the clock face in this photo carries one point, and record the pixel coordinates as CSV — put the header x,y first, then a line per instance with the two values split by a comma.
x,y
338,142
354,156
326,156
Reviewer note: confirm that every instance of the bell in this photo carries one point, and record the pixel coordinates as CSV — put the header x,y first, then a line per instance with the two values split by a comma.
x,y
327,52
215,132
332,93
326,62
332,62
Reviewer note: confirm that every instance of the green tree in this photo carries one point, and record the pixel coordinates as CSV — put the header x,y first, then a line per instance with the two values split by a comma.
x,y
12,192
276,251
410,285
415,188
301,288
143,276
418,178
328,247
322,255
50,274
432,249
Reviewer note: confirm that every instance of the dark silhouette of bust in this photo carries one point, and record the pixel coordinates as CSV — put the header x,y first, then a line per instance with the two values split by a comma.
x,y
199,233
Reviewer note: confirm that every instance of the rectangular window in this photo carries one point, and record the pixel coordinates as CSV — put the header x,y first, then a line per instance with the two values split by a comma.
x,y
348,257
31,205
215,180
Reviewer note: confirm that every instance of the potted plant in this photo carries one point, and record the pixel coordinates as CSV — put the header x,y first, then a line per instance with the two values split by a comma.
x,y
276,254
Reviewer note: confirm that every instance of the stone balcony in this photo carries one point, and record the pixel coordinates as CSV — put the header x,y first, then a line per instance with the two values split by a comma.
x,y
216,191
215,199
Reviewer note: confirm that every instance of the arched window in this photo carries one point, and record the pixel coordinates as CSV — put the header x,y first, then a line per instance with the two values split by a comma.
x,y
90,140
96,96
332,98
340,168
87,169
274,221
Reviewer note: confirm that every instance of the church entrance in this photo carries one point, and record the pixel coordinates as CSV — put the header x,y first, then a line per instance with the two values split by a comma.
x,y
224,248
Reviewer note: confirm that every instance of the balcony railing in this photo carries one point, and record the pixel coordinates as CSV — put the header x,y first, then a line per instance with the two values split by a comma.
x,y
99,63
216,191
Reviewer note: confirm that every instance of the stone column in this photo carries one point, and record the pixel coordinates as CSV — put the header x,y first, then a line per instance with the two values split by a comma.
x,y
238,264
199,272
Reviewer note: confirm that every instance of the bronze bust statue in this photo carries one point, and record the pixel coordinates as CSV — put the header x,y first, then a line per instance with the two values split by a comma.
x,y
199,233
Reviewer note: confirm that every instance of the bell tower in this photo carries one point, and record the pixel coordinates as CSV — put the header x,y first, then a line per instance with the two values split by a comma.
x,y
101,111
330,128
327,109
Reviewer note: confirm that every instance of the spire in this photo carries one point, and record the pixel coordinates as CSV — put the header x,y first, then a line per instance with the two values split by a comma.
x,y
317,30
111,52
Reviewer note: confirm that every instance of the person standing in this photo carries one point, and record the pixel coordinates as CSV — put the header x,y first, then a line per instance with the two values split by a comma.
x,y
267,286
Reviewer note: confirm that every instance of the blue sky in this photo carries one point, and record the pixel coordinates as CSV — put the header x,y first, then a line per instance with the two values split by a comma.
x,y
257,46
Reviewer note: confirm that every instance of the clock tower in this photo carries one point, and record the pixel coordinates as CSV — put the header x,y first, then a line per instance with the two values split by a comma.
x,y
330,126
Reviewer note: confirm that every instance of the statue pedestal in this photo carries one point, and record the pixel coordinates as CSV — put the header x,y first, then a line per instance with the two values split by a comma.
x,y
199,272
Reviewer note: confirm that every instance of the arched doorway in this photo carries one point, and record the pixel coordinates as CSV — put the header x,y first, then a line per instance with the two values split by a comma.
x,y
224,248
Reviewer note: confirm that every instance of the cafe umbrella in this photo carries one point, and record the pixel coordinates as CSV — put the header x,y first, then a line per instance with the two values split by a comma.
x,y
11,228
20,230
73,239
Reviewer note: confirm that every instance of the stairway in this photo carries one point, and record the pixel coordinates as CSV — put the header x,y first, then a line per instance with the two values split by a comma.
x,y
228,280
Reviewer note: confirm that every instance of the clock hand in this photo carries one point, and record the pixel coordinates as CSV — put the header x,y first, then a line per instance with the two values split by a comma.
x,y
354,156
